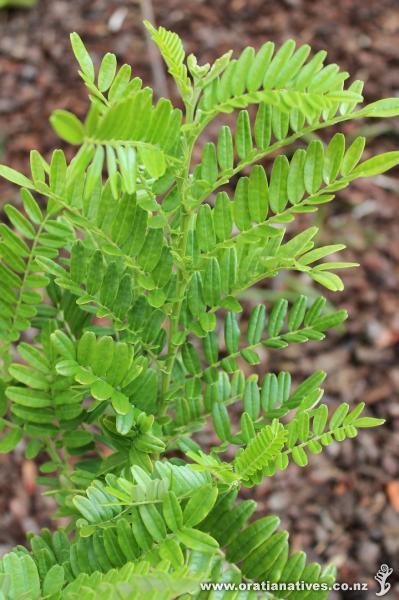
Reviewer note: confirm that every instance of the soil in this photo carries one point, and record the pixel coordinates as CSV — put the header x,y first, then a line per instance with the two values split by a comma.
x,y
344,507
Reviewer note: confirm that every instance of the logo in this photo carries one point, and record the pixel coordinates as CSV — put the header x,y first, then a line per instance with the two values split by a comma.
x,y
382,575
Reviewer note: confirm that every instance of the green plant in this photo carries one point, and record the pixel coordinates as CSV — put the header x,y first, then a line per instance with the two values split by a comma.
x,y
17,3
123,274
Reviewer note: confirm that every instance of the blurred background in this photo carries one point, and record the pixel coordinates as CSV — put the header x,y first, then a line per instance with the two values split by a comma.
x,y
345,506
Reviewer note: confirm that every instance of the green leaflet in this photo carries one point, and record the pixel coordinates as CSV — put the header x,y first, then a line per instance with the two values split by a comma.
x,y
205,228
281,57
242,216
10,440
225,150
212,283
172,512
31,207
278,184
231,333
262,128
295,179
154,161
313,167
197,540
261,61
256,324
334,157
15,177
377,165
128,165
221,421
258,194
209,169
82,56
106,72
67,126
243,135
222,216
199,505
251,399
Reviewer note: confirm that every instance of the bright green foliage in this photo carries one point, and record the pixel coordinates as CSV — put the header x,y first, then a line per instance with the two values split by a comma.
x,y
120,331
17,3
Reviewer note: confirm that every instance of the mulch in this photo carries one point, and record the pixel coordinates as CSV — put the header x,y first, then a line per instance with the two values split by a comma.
x,y
344,507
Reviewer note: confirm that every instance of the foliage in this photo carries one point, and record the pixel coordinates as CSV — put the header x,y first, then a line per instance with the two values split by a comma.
x,y
17,3
125,266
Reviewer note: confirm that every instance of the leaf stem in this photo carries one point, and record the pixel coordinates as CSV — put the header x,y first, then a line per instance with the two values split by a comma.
x,y
186,218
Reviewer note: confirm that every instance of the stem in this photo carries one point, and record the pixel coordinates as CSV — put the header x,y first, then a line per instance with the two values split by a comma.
x,y
158,73
186,215
53,454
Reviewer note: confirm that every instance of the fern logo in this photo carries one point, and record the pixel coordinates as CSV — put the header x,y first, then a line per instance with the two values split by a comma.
x,y
381,577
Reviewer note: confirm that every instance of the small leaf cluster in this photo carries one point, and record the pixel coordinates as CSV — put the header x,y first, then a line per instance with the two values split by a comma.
x,y
121,331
